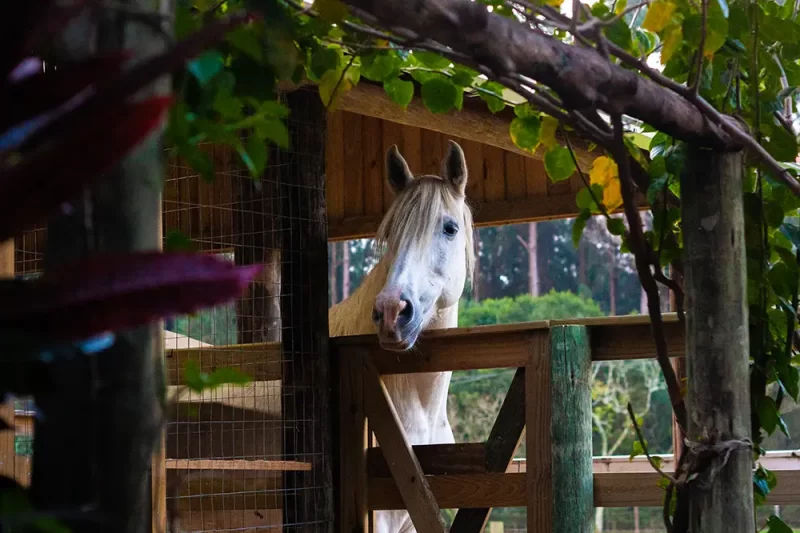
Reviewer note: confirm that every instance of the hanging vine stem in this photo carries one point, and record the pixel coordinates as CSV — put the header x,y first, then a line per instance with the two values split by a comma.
x,y
642,256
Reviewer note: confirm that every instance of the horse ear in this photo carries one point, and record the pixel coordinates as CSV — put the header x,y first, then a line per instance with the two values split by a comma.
x,y
397,171
454,168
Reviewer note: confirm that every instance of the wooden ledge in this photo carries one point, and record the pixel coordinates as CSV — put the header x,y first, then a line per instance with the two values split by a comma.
x,y
238,464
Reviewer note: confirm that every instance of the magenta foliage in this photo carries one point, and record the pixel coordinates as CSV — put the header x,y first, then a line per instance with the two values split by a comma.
x,y
113,292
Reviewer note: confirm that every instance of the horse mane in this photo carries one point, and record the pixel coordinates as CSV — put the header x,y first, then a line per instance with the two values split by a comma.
x,y
408,221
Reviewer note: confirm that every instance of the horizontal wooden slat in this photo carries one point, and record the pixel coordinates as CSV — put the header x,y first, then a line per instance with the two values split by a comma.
x,y
507,346
261,361
237,464
630,489
225,489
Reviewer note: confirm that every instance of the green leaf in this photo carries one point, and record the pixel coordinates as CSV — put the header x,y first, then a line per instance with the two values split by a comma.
x,y
637,450
620,34
274,130
323,60
782,145
525,110
492,94
336,83
198,381
245,39
463,77
177,241
768,414
723,6
399,91
431,60
716,28
558,163
584,198
254,155
206,66
776,525
439,95
791,229
615,226
525,132
382,66
579,225
199,160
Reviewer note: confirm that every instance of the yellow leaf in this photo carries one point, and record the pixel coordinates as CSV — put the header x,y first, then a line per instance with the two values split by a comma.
x,y
659,13
620,7
330,83
612,195
603,170
331,11
672,41
554,3
547,135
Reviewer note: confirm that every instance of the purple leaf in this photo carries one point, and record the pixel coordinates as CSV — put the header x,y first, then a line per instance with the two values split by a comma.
x,y
111,292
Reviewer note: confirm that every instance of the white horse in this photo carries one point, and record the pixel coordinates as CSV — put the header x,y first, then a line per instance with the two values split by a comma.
x,y
427,257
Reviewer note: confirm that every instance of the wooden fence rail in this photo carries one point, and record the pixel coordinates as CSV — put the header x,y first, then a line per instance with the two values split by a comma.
x,y
553,361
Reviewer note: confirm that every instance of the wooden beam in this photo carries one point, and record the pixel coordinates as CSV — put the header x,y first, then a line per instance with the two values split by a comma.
x,y
353,442
474,122
507,346
487,213
7,453
500,447
632,489
436,459
236,464
406,470
260,361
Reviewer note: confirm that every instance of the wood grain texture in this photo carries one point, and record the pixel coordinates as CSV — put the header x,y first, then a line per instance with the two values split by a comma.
x,y
353,166
235,464
353,514
473,155
571,429
516,186
538,413
391,135
436,459
406,470
474,122
372,154
500,448
433,150
335,165
717,338
7,452
507,346
494,180
260,361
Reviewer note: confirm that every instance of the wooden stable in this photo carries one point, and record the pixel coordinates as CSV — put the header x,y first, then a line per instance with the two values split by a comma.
x,y
549,396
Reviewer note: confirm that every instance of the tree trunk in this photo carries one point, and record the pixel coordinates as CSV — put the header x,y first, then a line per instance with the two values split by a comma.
x,y
582,263
345,269
636,520
720,499
643,303
533,271
100,419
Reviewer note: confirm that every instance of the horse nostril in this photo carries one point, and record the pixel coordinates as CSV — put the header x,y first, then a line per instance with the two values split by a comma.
x,y
407,312
377,316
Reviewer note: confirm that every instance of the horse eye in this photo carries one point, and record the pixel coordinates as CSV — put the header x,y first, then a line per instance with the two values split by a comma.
x,y
450,228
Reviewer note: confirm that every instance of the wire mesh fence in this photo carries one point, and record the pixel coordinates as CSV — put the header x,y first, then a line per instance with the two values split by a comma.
x,y
251,457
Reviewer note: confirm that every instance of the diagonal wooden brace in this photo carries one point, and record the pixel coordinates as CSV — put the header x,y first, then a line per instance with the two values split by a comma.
x,y
402,461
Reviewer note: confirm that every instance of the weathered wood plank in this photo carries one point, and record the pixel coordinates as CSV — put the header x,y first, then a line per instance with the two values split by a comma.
x,y
260,361
432,152
7,453
235,464
391,134
500,447
571,429
435,459
720,500
516,186
494,183
473,155
406,470
538,413
353,514
353,167
335,165
372,154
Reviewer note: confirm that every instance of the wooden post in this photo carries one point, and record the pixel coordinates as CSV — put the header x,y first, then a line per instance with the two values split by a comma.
x,y
103,413
559,433
7,449
306,387
353,443
717,341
